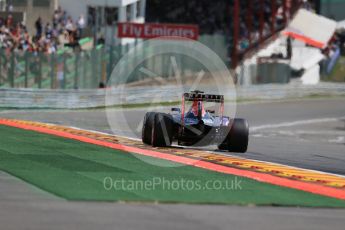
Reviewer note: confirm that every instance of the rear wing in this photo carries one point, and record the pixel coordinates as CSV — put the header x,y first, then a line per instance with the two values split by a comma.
x,y
200,96
203,97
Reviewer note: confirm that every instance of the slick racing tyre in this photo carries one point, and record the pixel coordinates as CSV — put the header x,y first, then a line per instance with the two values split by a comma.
x,y
237,138
162,130
146,134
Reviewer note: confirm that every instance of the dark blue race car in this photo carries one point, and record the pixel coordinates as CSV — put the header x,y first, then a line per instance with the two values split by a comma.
x,y
198,126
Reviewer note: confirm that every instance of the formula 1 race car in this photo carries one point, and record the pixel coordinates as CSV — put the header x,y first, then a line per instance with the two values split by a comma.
x,y
199,126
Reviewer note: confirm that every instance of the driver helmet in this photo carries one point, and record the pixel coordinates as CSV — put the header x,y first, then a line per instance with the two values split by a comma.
x,y
198,106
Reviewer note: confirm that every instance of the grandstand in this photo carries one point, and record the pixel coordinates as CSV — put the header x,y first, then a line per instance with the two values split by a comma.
x,y
246,24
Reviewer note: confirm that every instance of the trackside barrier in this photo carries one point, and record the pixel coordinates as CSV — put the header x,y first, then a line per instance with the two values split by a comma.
x,y
74,99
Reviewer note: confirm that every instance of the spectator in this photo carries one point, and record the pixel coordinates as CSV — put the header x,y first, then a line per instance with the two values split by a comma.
x,y
9,22
63,18
56,18
9,8
49,37
81,25
69,26
39,27
48,30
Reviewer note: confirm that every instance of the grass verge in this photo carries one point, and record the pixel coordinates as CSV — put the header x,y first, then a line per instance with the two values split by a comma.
x,y
80,171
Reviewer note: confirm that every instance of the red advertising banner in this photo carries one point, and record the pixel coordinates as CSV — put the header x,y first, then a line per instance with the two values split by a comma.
x,y
154,30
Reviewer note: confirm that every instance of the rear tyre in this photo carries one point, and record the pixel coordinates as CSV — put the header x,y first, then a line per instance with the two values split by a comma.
x,y
162,130
146,134
237,138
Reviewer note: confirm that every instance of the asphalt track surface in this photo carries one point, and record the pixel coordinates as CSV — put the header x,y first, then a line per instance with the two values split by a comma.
x,y
308,134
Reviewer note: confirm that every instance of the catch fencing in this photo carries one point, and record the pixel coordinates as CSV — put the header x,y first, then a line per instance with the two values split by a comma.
x,y
90,69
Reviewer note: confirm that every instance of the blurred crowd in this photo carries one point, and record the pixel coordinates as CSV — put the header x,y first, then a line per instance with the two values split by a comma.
x,y
211,16
49,36
216,17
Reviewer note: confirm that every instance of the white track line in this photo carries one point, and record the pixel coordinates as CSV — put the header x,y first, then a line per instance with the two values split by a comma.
x,y
294,123
279,164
